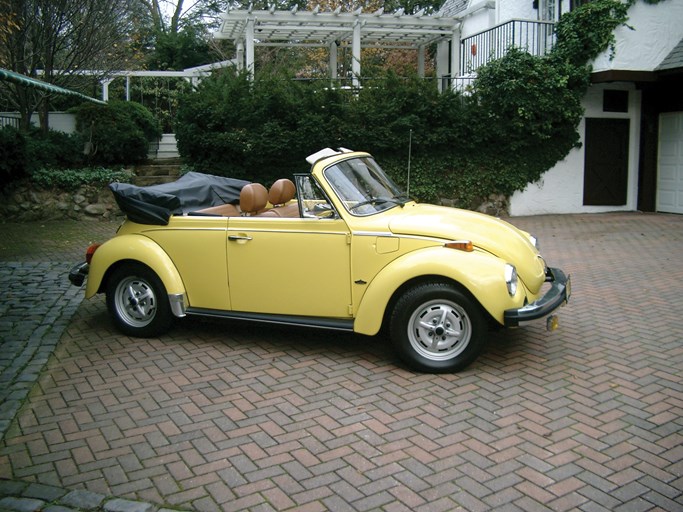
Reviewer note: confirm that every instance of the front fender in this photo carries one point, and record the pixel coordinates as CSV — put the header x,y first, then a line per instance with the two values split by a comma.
x,y
482,274
132,248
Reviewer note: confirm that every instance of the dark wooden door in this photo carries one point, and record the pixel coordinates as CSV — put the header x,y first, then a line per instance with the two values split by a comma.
x,y
605,180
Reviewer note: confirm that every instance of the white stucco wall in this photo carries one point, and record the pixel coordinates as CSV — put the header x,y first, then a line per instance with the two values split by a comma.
x,y
507,10
560,190
59,121
481,19
657,29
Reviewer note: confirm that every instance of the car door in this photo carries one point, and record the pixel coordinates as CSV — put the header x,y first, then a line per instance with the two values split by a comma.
x,y
290,266
196,245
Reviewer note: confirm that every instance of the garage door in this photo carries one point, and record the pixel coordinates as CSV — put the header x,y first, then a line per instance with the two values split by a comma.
x,y
670,163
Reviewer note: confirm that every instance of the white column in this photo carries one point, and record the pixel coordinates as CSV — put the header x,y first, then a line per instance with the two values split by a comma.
x,y
421,61
442,62
355,61
455,53
105,88
333,61
127,87
240,56
250,46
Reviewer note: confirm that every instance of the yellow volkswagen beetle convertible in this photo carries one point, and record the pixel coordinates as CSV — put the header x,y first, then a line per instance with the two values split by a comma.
x,y
340,247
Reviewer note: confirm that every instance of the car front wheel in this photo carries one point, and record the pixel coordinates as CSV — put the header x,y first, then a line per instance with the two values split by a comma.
x,y
437,328
137,301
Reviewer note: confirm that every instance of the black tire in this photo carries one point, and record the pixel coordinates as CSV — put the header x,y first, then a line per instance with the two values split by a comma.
x,y
138,302
437,328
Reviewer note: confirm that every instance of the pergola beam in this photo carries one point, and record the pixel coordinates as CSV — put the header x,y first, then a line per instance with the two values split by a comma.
x,y
325,29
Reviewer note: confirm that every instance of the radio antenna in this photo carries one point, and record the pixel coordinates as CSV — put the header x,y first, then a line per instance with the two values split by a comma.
x,y
410,150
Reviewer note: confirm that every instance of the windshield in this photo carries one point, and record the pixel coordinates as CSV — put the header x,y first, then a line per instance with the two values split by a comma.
x,y
363,187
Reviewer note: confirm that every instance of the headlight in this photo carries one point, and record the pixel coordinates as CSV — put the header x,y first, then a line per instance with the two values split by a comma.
x,y
511,279
534,242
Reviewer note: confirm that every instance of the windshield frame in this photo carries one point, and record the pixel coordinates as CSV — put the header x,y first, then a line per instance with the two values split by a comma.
x,y
362,187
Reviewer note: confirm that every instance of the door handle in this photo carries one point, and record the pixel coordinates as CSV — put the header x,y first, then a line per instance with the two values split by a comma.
x,y
239,238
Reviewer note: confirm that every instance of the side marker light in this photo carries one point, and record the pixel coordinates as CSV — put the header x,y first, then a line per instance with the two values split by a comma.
x,y
90,251
461,245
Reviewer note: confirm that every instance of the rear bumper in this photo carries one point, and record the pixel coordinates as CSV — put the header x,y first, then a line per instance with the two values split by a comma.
x,y
78,273
556,296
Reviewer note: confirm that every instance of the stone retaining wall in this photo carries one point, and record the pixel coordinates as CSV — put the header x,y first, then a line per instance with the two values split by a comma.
x,y
24,203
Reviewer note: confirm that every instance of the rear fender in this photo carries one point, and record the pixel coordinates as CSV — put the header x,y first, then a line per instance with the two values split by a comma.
x,y
136,248
480,273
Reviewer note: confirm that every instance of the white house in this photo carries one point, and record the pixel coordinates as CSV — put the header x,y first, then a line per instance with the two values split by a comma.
x,y
631,156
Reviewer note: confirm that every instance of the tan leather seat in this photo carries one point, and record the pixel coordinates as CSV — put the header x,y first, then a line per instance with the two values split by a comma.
x,y
281,193
224,210
253,199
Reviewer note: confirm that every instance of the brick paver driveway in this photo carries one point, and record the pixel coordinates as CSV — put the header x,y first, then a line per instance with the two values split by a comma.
x,y
234,416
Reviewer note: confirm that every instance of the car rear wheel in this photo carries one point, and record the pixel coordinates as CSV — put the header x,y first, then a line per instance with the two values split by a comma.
x,y
437,328
138,302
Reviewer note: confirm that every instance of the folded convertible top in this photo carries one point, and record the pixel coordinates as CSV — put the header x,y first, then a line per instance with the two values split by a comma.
x,y
193,191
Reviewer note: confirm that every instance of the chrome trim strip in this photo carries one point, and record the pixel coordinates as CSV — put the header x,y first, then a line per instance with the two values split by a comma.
x,y
374,233
338,324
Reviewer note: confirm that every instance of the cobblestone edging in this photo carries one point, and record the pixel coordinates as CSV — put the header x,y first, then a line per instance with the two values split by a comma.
x,y
18,496
38,303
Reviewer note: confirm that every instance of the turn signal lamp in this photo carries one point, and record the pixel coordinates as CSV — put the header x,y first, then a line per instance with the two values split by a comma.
x,y
461,245
90,251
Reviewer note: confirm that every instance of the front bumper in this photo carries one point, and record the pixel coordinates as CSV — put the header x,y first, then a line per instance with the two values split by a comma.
x,y
556,296
78,273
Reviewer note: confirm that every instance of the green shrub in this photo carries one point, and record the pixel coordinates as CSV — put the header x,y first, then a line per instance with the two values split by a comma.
x,y
69,179
53,149
117,133
12,156
258,131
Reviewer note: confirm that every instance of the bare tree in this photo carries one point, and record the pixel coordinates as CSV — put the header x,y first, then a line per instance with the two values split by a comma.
x,y
55,41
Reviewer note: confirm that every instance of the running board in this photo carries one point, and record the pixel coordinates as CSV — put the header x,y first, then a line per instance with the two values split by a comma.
x,y
302,321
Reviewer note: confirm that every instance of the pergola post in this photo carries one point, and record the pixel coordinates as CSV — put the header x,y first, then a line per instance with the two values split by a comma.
x,y
240,56
105,88
355,52
249,36
333,61
455,55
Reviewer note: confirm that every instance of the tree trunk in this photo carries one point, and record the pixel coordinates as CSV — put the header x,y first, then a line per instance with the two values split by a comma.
x,y
44,117
24,107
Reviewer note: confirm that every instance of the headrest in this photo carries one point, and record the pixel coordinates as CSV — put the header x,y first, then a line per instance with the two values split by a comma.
x,y
281,192
253,198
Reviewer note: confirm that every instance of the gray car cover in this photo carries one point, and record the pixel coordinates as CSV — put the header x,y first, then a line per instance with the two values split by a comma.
x,y
156,203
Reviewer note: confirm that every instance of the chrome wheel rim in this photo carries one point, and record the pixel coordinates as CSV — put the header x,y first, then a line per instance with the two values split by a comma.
x,y
439,330
135,302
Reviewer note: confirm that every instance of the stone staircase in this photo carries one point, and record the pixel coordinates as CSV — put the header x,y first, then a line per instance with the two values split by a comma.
x,y
163,164
157,171
167,147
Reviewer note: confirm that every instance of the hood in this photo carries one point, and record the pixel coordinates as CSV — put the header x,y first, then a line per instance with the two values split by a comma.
x,y
488,233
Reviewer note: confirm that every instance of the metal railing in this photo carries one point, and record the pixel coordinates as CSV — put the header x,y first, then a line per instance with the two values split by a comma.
x,y
459,84
534,37
9,121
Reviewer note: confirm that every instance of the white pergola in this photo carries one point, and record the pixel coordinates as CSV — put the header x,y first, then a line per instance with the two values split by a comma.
x,y
193,75
250,28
